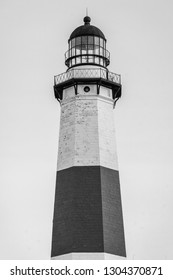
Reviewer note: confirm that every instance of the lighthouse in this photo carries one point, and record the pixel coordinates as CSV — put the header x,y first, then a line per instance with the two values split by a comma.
x,y
87,219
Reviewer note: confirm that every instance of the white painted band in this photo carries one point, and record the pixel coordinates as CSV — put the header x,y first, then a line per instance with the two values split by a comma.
x,y
87,132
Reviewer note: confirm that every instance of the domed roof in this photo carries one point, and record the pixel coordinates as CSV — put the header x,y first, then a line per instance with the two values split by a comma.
x,y
87,29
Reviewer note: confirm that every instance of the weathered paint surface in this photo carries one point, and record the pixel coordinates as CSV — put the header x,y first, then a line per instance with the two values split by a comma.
x,y
87,135
106,132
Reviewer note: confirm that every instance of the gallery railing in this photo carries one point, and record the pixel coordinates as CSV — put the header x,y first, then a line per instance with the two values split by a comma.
x,y
88,74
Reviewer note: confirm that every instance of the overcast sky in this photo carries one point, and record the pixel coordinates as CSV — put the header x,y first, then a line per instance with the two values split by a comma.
x,y
34,35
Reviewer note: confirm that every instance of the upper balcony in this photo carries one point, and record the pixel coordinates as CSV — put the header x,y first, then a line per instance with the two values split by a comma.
x,y
94,73
97,76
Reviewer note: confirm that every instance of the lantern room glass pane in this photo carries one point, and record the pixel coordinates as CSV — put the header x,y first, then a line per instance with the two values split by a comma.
x,y
90,59
78,60
84,40
73,61
101,51
96,40
78,41
84,49
90,40
78,51
101,42
73,51
97,50
96,60
84,59
107,54
73,42
90,49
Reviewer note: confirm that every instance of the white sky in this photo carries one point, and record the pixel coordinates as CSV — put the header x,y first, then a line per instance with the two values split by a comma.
x,y
34,37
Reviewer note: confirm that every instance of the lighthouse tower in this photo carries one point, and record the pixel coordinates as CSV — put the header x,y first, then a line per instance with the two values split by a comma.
x,y
88,220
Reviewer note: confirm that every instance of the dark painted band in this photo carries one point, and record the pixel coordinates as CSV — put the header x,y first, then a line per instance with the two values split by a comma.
x,y
88,212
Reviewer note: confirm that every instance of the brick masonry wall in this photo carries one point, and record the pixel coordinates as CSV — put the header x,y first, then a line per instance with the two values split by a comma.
x,y
87,212
77,224
113,228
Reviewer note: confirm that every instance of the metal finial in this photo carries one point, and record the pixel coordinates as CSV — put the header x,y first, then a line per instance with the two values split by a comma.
x,y
87,19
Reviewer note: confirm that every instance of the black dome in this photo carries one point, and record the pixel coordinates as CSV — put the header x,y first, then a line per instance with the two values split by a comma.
x,y
87,29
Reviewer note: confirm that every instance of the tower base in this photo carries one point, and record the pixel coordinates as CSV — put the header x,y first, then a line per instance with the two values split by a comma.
x,y
88,256
88,213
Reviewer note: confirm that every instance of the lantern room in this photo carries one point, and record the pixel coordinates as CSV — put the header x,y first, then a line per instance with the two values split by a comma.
x,y
87,46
